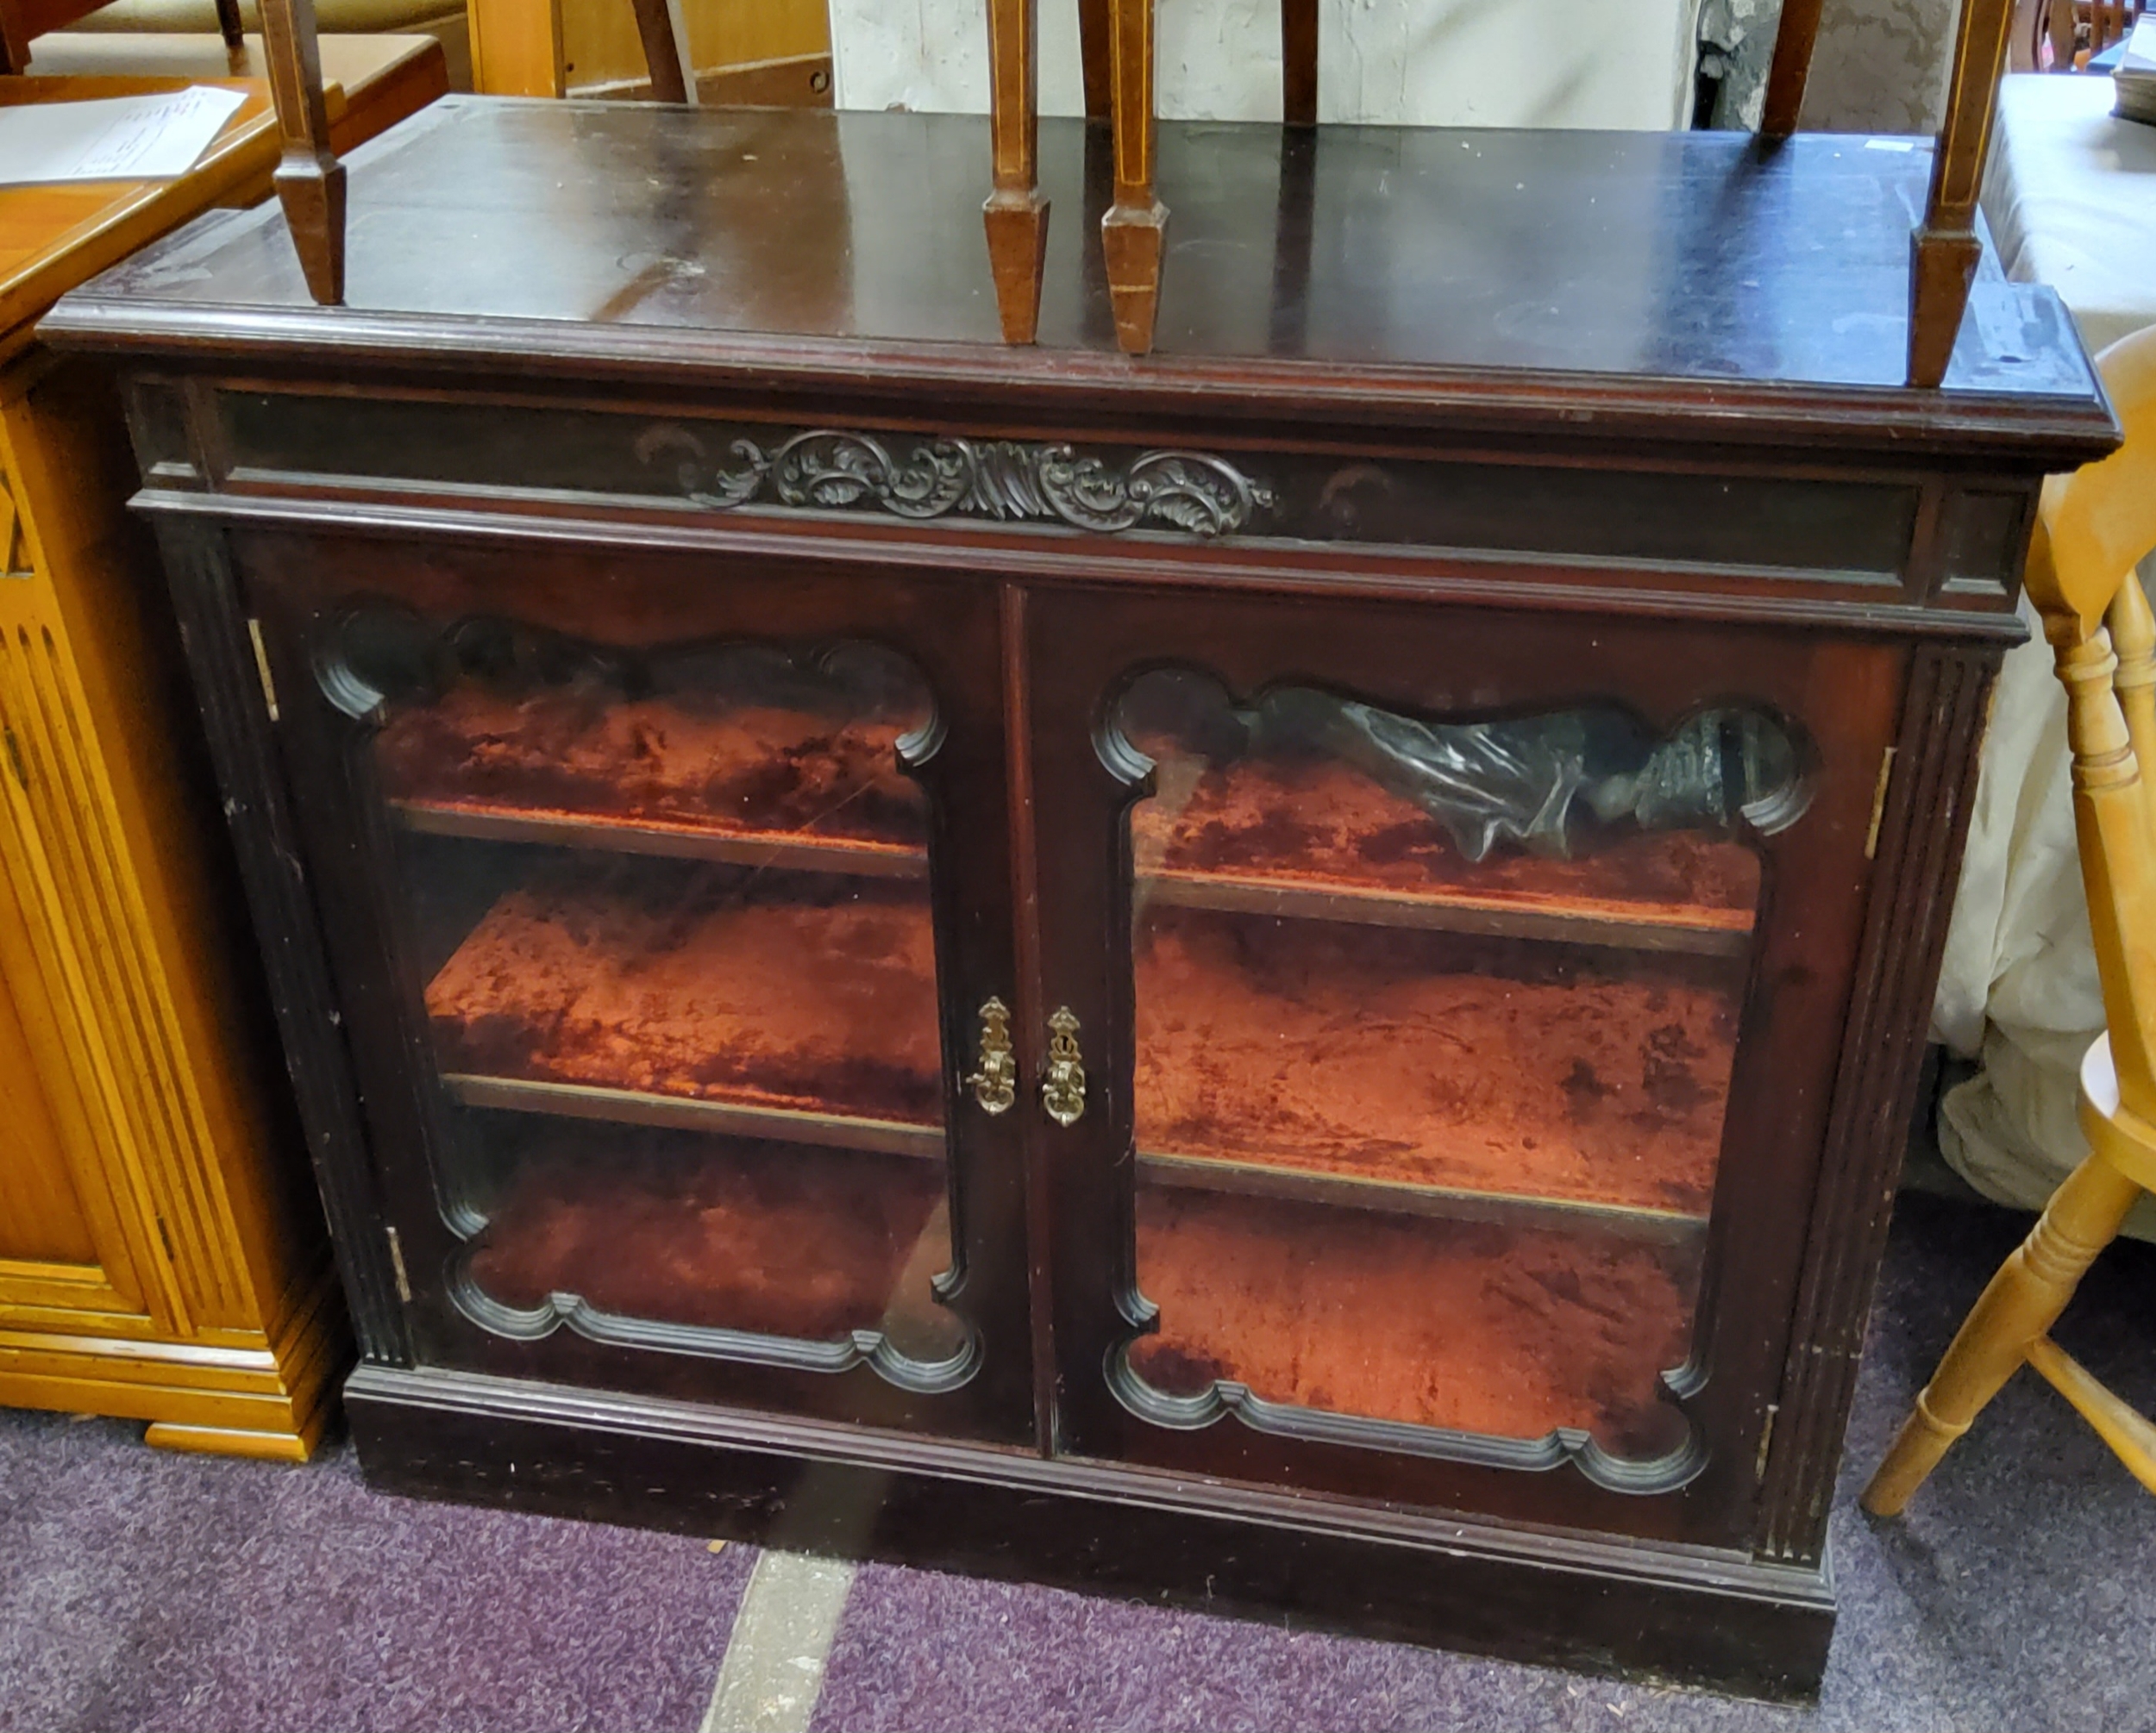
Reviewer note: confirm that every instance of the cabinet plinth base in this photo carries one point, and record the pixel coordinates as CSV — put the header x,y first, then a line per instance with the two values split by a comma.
x,y
1688,1615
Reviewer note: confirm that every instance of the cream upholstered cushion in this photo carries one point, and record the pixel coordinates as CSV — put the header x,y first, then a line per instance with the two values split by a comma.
x,y
442,19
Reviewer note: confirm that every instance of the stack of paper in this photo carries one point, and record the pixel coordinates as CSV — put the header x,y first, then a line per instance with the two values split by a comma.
x,y
2133,84
111,138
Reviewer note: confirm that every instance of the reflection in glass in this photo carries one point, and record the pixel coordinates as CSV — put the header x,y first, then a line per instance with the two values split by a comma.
x,y
667,918
1435,1025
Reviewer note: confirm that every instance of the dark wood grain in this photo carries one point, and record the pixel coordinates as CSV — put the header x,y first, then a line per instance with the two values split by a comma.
x,y
1715,1618
1920,836
1584,257
213,629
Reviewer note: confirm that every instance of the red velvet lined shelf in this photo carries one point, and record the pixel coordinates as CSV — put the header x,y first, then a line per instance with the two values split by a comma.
x,y
1509,1330
769,786
803,1006
720,1234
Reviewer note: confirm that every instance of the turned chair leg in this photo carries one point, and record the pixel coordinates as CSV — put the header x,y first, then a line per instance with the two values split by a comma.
x,y
664,34
2015,1312
1016,214
309,180
231,26
1131,232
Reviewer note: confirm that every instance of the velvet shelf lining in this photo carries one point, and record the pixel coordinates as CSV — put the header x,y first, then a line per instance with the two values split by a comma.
x,y
1417,1059
1504,1331
775,786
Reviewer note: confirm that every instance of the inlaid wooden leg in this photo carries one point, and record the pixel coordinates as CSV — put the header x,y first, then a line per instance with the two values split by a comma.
x,y
1016,214
309,180
1131,232
1944,250
2020,1306
667,58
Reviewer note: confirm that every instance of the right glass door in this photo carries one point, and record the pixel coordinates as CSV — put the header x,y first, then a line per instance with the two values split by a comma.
x,y
1464,991
1435,1026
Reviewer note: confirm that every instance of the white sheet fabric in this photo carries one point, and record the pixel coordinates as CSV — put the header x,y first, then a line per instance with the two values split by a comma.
x,y
1620,64
2070,197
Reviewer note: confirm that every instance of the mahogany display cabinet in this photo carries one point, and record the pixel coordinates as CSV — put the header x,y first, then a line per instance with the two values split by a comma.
x,y
1287,976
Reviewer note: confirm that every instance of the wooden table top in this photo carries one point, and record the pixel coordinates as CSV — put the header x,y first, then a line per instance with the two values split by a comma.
x,y
1378,262
55,237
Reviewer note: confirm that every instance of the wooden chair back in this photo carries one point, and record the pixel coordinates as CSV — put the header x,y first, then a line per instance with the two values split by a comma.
x,y
2093,527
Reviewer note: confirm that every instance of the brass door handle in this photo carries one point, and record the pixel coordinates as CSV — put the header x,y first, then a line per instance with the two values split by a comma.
x,y
995,1083
1063,1082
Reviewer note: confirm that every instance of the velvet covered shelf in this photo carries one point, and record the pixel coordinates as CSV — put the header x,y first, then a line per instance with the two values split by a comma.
x,y
613,987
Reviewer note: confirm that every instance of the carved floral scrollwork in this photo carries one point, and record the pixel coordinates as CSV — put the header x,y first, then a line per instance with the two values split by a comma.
x,y
1003,479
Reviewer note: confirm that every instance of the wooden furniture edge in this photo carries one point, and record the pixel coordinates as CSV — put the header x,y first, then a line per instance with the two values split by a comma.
x,y
1689,1614
269,1396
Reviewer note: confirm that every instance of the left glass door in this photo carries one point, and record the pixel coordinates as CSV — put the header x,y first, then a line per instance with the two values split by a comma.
x,y
653,883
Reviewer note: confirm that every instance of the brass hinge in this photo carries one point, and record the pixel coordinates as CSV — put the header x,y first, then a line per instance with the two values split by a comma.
x,y
261,665
1878,803
397,1265
1766,1439
15,758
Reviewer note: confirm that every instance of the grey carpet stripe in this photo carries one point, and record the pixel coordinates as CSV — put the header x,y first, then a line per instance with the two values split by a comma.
x,y
774,1669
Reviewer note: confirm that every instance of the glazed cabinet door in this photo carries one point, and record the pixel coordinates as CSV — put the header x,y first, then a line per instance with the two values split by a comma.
x,y
1457,994
663,896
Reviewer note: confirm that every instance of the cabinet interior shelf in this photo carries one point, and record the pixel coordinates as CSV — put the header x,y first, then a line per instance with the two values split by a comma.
x,y
1191,1173
1650,926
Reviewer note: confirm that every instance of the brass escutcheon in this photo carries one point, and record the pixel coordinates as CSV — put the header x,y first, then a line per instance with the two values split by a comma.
x,y
995,1084
1064,1083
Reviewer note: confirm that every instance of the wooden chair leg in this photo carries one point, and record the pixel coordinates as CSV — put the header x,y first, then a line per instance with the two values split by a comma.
x,y
230,25
1298,62
1093,29
1944,250
1791,68
309,180
667,58
2015,1312
1016,214
1131,232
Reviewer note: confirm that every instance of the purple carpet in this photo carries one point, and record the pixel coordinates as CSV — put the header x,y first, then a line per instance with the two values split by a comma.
x,y
146,1591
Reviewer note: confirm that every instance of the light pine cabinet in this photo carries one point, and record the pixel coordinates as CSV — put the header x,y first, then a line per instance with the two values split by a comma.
x,y
162,1255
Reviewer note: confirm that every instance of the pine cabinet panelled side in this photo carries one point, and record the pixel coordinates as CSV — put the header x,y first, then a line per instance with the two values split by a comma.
x,y
158,1259
1285,977
162,1256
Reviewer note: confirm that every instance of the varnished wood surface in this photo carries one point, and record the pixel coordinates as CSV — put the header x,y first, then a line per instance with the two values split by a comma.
x,y
1688,256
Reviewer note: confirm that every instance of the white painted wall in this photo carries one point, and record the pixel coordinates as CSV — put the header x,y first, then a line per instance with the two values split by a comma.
x,y
1495,63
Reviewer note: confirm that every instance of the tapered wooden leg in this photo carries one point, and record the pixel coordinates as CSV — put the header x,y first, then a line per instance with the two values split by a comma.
x,y
667,58
1944,252
1016,214
2020,1306
1131,232
309,180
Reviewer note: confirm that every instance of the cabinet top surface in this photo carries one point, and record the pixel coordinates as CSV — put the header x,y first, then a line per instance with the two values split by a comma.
x,y
587,234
